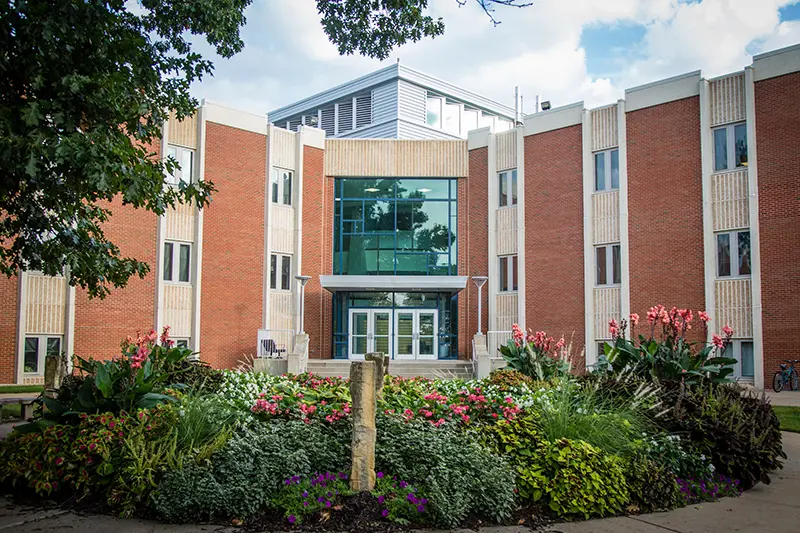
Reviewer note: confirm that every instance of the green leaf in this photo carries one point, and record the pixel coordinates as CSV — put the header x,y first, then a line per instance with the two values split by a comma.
x,y
103,381
151,399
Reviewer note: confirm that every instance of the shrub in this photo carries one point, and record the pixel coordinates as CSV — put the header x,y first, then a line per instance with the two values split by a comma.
x,y
457,474
197,376
652,486
403,503
536,355
244,476
693,491
509,379
301,496
735,428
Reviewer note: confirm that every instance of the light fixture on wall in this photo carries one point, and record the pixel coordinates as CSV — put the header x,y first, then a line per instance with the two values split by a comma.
x,y
546,105
480,281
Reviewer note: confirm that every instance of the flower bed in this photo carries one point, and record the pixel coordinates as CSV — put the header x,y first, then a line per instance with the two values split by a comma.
x,y
152,434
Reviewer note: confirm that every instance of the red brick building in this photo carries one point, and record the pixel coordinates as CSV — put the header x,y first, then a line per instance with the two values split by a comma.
x,y
684,193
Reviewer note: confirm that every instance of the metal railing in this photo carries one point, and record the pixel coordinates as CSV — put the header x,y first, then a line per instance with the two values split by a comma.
x,y
275,342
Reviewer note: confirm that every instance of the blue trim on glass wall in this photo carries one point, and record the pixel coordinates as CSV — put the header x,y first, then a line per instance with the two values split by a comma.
x,y
383,227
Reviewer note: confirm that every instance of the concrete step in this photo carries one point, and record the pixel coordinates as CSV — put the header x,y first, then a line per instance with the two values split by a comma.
x,y
427,369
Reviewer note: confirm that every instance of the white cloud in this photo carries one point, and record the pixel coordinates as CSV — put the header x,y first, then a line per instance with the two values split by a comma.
x,y
288,56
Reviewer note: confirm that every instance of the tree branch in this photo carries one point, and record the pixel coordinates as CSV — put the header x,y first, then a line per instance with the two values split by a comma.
x,y
487,6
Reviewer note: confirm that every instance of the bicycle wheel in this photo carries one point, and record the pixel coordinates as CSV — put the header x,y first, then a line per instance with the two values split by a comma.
x,y
794,380
777,382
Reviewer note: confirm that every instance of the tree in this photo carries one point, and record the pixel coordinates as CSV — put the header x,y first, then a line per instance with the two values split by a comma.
x,y
85,86
373,28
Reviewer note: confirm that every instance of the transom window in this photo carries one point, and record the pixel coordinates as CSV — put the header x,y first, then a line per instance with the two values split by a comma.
x,y
402,227
606,170
36,349
508,187
509,273
280,268
730,147
607,265
185,160
177,262
733,254
281,186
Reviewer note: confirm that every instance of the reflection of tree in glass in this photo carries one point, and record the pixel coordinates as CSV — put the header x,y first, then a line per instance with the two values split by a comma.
x,y
439,237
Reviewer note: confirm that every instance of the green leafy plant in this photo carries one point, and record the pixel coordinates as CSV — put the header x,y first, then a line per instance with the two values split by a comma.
x,y
536,355
457,474
671,356
303,495
508,379
403,503
652,486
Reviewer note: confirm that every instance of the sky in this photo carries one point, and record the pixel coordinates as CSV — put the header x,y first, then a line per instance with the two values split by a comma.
x,y
564,50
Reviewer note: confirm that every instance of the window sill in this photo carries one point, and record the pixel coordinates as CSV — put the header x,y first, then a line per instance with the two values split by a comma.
x,y
733,278
605,191
507,207
608,286
727,171
284,291
178,283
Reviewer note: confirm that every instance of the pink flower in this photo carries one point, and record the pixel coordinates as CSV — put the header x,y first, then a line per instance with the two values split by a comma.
x,y
727,330
517,334
704,317
717,341
634,319
560,343
612,327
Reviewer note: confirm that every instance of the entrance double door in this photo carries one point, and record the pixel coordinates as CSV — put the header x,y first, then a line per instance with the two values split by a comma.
x,y
406,334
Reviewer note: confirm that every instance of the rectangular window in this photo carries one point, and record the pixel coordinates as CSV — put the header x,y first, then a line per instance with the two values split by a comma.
x,y
606,170
36,349
733,260
31,362
509,277
730,147
281,181
280,278
508,187
169,249
181,343
608,265
184,160
470,120
746,359
286,272
177,256
434,112
452,118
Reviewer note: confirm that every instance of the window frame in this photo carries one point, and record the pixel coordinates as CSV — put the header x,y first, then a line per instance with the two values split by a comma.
x,y
276,262
181,342
512,197
508,273
612,271
174,179
175,262
41,351
277,186
730,146
608,169
735,259
736,346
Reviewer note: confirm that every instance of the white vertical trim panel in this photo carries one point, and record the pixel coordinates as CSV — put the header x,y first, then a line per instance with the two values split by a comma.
x,y
521,312
493,286
709,246
197,249
588,248
624,241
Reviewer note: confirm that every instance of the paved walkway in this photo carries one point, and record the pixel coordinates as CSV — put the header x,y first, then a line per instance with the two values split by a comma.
x,y
787,397
773,508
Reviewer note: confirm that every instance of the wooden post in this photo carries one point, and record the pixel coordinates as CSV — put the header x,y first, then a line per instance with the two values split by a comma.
x,y
380,370
362,391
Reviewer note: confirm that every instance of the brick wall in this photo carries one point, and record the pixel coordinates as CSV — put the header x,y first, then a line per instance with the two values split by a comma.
x,y
317,252
100,325
554,296
473,247
9,288
233,245
665,207
778,145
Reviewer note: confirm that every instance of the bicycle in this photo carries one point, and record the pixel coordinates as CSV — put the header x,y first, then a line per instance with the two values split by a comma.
x,y
785,374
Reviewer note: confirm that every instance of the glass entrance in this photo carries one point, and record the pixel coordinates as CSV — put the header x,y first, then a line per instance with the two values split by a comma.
x,y
370,331
417,334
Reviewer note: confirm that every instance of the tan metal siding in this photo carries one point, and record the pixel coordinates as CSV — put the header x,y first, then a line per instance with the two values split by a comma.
x,y
282,228
506,150
604,128
284,148
46,304
730,201
506,231
395,158
179,223
605,217
734,306
506,312
183,133
727,99
178,309
607,305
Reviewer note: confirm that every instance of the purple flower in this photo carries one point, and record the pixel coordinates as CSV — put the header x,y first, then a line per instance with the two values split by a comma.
x,y
421,508
380,475
327,503
305,494
292,519
305,504
385,513
403,484
381,499
320,499
342,475
423,501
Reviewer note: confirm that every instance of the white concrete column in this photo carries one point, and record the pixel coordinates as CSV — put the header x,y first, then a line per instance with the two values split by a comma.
x,y
707,164
297,200
624,240
755,237
493,199
521,251
158,318
22,299
588,244
197,255
265,318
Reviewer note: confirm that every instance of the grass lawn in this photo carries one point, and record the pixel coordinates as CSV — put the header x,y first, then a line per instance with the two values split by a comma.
x,y
11,412
16,389
789,417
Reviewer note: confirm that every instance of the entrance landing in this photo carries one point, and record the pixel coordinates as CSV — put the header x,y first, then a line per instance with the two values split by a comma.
x,y
406,369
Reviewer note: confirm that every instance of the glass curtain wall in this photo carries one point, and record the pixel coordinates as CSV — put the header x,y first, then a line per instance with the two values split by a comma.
x,y
395,227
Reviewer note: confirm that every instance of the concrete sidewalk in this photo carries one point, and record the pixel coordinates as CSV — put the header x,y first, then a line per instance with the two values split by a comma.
x,y
773,508
787,398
